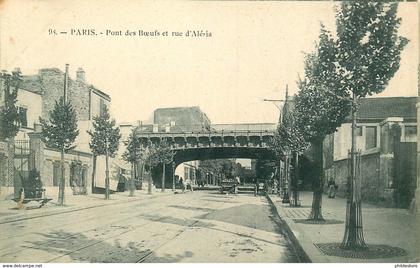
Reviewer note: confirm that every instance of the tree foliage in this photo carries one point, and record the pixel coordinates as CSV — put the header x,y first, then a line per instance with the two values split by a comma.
x,y
368,46
9,116
321,105
105,136
215,165
60,130
161,153
288,137
134,151
265,169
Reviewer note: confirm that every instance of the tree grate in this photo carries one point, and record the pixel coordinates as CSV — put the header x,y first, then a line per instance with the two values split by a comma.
x,y
307,221
372,252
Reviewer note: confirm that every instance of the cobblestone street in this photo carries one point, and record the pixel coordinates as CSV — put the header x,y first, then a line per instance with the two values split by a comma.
x,y
190,227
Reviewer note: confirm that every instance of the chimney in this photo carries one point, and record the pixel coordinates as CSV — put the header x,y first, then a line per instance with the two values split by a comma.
x,y
80,75
17,70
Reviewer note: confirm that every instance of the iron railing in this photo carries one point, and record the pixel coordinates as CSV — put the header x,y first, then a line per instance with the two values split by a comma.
x,y
203,129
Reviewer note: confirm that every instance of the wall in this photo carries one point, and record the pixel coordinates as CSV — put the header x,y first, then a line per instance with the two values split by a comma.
x,y
388,173
53,156
33,103
85,102
78,95
186,167
372,184
96,102
342,139
82,140
100,172
53,83
405,181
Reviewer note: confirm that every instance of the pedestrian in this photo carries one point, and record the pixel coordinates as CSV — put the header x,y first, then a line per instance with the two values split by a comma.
x,y
237,182
21,198
189,184
332,186
181,182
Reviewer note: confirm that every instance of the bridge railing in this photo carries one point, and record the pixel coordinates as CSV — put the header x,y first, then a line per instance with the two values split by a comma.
x,y
209,129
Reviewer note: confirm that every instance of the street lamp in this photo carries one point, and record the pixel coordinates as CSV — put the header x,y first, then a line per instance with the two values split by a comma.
x,y
275,102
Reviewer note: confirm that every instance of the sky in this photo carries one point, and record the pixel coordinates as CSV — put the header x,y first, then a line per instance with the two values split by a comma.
x,y
256,49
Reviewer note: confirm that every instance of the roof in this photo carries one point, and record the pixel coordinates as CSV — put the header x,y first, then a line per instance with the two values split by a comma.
x,y
172,109
192,115
382,108
100,93
35,84
31,83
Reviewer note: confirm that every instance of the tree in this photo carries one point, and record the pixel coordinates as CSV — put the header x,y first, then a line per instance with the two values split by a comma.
x,y
288,142
264,172
163,154
264,169
218,167
59,132
105,139
9,115
368,49
133,154
320,107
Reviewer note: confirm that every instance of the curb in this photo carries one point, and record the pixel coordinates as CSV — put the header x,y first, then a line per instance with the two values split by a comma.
x,y
16,218
305,246
298,247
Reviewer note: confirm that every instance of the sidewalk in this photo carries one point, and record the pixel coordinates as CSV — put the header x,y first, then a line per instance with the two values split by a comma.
x,y
382,226
10,213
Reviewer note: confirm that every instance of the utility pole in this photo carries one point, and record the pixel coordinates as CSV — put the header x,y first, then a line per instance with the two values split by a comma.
x,y
66,82
277,103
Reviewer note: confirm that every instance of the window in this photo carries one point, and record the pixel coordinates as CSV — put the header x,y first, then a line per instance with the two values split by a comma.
x,y
23,119
359,131
102,105
410,131
78,174
371,137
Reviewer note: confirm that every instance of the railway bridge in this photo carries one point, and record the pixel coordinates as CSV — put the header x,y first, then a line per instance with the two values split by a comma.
x,y
198,142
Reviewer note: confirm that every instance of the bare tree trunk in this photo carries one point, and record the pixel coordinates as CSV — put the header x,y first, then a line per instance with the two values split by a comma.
x,y
106,176
285,198
132,186
62,181
173,176
149,186
141,173
353,234
93,173
318,184
295,183
163,177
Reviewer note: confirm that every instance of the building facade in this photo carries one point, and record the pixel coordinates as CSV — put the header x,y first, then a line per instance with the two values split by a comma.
x,y
37,95
180,119
386,137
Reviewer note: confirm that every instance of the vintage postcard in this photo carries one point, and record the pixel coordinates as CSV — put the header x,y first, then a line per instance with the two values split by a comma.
x,y
209,132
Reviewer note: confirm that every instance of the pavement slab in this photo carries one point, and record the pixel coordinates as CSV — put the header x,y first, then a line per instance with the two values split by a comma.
x,y
390,228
